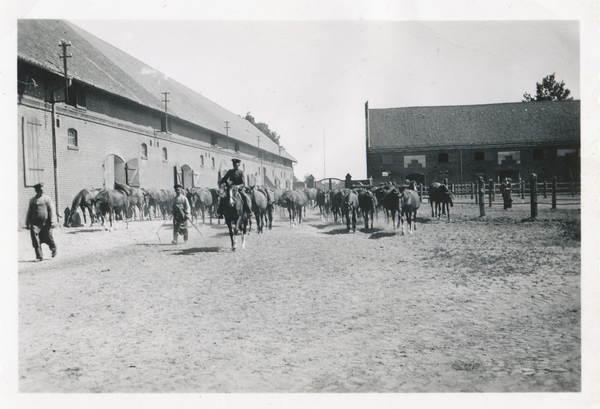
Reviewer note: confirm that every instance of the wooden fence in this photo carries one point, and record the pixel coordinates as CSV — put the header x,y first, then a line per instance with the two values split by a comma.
x,y
524,192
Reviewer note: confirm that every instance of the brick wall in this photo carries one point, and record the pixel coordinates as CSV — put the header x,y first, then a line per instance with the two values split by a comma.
x,y
468,168
113,126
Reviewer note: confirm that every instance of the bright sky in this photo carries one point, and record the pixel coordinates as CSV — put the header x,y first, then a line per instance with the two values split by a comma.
x,y
309,80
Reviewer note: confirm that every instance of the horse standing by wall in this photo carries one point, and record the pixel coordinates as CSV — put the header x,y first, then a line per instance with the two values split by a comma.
x,y
84,200
157,202
203,202
112,201
136,200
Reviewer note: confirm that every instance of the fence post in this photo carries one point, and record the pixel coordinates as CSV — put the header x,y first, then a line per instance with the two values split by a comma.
x,y
554,189
533,192
522,187
421,188
545,189
480,194
491,194
473,192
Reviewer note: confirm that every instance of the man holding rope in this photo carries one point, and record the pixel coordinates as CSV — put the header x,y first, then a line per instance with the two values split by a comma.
x,y
181,214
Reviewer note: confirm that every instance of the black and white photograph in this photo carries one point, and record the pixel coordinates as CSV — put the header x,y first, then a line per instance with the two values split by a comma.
x,y
286,205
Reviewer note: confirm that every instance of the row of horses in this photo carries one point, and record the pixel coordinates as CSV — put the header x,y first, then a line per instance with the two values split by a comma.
x,y
349,204
123,201
402,201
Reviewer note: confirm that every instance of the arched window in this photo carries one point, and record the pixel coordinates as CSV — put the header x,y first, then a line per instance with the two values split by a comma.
x,y
144,151
479,156
201,160
72,137
164,151
442,157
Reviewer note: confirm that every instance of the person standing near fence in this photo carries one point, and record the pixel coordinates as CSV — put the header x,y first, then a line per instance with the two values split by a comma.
x,y
506,189
181,214
40,220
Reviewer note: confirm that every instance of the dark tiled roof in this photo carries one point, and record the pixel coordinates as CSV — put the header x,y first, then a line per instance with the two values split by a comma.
x,y
103,66
509,123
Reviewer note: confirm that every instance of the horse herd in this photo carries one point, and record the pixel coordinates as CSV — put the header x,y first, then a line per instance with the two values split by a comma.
x,y
397,201
139,203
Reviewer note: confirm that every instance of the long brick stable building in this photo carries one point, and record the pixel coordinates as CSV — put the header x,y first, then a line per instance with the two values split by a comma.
x,y
461,143
107,122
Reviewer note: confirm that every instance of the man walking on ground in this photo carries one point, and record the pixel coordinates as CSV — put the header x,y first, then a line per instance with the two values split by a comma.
x,y
181,214
41,219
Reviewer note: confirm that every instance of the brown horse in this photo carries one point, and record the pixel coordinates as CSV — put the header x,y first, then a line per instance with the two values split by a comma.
x,y
112,201
158,202
440,198
84,200
322,200
409,204
259,207
136,200
368,205
201,200
295,200
235,216
350,208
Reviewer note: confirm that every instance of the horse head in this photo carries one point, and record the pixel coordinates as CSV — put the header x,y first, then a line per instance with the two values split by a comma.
x,y
232,194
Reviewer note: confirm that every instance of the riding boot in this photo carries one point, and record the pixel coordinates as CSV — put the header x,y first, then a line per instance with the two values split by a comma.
x,y
174,239
185,238
249,211
38,254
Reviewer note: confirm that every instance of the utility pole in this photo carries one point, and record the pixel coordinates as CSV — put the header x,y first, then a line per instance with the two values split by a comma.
x,y
227,133
262,173
166,100
64,44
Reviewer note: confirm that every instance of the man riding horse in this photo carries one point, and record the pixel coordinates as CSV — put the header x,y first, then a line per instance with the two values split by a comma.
x,y
235,178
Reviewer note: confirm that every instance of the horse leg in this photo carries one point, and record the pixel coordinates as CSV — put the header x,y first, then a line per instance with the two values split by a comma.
x,y
243,228
353,221
231,234
402,221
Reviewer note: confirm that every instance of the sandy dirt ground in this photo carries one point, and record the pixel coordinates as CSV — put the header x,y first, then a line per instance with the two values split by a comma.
x,y
473,304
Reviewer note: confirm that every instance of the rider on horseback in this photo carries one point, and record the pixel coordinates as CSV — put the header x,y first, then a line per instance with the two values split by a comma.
x,y
235,177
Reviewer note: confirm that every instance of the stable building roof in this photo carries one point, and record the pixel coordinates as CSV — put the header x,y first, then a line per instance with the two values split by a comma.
x,y
465,125
101,65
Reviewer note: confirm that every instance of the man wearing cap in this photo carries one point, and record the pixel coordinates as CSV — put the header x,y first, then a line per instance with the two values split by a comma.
x,y
506,189
40,220
235,177
181,214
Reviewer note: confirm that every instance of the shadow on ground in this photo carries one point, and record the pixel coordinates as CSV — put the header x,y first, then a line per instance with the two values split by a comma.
x,y
99,229
194,250
382,234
